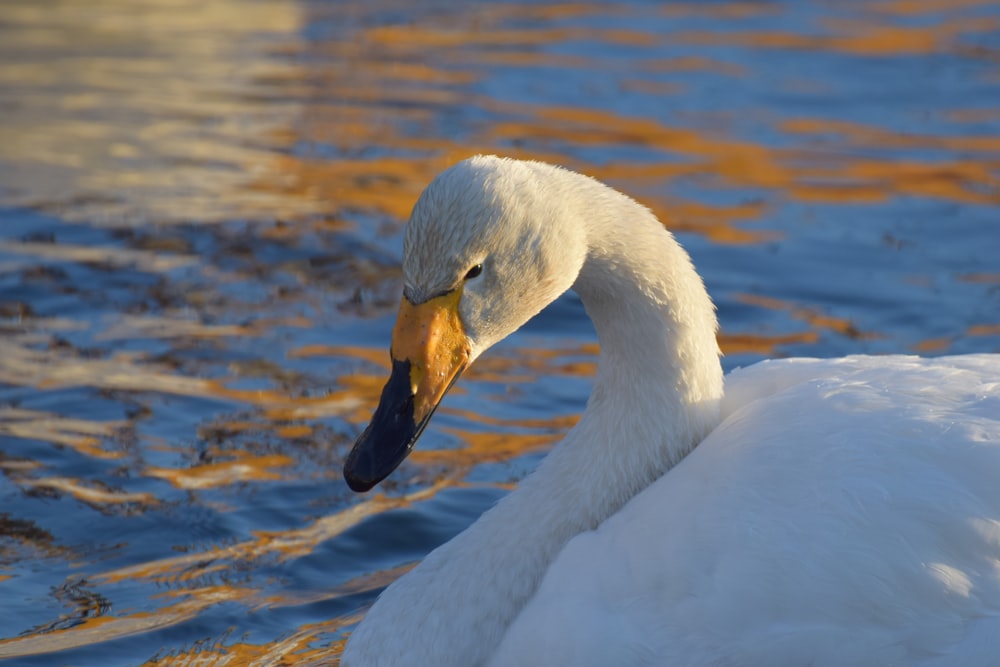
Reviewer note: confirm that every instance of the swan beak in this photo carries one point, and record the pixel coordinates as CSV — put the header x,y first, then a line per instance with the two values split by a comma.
x,y
429,351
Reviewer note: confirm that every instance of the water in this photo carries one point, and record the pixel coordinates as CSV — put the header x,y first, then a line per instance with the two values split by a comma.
x,y
199,266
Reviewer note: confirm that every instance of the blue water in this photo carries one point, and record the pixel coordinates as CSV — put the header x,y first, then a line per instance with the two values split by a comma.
x,y
200,227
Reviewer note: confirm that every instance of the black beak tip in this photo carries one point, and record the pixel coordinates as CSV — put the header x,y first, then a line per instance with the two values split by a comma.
x,y
388,438
374,457
359,483
366,465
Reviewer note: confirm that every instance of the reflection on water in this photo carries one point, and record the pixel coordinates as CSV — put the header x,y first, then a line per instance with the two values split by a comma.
x,y
120,112
199,262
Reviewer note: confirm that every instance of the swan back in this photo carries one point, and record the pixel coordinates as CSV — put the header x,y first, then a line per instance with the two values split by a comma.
x,y
846,512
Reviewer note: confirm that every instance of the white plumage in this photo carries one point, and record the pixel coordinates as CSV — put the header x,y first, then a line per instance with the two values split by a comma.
x,y
821,512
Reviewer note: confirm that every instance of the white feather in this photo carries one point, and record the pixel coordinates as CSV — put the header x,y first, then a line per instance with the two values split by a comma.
x,y
824,512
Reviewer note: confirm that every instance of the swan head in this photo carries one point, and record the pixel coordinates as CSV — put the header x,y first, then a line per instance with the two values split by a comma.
x,y
490,242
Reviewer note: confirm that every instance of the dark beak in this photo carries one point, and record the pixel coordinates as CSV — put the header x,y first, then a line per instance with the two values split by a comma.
x,y
429,351
389,437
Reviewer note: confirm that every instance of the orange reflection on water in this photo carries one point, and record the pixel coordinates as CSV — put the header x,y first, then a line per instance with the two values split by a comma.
x,y
868,179
763,345
285,544
300,649
530,362
417,37
984,330
399,74
89,630
131,326
810,316
857,37
987,278
145,260
182,574
859,135
371,355
483,448
876,180
308,646
917,7
21,365
83,435
243,468
390,185
933,346
89,493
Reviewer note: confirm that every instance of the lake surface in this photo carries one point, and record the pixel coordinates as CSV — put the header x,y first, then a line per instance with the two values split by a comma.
x,y
201,207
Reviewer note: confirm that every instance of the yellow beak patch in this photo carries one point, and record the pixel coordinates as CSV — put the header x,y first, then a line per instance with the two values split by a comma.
x,y
432,338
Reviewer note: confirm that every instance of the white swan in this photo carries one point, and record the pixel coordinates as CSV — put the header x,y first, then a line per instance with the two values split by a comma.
x,y
841,512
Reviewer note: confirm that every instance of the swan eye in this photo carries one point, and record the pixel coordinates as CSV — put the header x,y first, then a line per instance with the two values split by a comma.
x,y
474,272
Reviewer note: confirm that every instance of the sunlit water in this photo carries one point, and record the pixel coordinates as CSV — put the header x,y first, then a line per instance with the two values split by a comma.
x,y
199,265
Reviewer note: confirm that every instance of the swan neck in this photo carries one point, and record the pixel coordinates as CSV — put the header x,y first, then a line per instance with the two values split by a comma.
x,y
656,395
659,382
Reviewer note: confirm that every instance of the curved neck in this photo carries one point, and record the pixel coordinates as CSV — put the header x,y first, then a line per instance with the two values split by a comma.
x,y
659,376
659,382
656,395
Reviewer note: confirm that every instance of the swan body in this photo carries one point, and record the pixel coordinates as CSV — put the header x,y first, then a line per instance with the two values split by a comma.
x,y
804,512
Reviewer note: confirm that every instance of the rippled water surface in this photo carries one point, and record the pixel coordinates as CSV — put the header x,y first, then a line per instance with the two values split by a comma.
x,y
200,216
